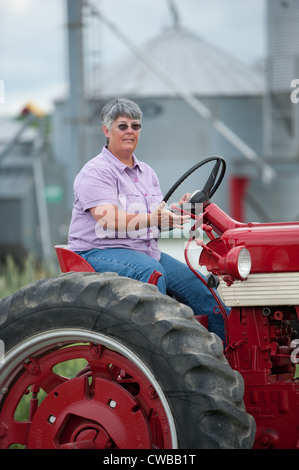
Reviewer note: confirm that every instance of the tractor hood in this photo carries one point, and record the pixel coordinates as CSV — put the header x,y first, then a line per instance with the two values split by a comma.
x,y
273,247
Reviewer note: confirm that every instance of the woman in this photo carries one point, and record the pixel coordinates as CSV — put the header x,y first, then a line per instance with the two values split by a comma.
x,y
119,210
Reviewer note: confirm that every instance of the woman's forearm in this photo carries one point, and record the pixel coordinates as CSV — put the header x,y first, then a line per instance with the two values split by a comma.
x,y
111,218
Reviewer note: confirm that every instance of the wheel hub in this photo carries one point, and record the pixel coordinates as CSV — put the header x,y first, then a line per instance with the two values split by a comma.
x,y
78,415
89,436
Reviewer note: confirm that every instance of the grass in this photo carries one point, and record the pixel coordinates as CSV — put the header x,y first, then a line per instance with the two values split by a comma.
x,y
14,275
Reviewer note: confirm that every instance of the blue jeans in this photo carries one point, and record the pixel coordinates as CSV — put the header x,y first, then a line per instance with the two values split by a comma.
x,y
177,279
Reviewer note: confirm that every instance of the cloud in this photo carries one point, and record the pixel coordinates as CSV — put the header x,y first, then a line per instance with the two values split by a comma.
x,y
32,50
19,5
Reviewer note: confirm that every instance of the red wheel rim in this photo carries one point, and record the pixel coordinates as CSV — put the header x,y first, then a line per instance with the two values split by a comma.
x,y
110,404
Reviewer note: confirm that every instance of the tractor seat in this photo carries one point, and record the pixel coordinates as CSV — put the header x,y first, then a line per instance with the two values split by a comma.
x,y
71,261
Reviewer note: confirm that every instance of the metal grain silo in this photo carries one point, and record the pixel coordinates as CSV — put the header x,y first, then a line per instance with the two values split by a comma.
x,y
279,200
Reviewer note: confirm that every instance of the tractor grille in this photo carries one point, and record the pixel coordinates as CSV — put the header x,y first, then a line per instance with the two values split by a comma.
x,y
262,289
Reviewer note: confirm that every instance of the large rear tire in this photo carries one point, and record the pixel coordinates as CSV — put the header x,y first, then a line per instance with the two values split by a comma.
x,y
154,377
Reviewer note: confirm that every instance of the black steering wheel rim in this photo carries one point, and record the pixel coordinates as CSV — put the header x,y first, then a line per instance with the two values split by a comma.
x,y
194,168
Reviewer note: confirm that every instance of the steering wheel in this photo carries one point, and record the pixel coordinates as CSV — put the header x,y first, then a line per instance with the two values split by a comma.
x,y
211,186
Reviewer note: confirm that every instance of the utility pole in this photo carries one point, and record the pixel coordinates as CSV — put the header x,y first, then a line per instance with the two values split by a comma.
x,y
76,102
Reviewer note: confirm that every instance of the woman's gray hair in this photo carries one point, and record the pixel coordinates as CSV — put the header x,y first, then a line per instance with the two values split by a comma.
x,y
120,107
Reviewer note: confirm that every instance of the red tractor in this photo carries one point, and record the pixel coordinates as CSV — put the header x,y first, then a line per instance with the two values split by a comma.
x,y
149,374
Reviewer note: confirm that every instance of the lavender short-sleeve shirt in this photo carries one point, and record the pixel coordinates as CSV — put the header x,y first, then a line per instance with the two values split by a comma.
x,y
106,180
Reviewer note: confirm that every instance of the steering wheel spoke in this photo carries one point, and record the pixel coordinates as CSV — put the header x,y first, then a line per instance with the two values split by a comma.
x,y
212,178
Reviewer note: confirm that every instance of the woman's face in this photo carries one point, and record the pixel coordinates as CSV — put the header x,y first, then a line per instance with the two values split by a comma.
x,y
122,142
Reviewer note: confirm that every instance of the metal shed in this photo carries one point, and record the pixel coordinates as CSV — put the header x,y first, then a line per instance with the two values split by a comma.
x,y
32,212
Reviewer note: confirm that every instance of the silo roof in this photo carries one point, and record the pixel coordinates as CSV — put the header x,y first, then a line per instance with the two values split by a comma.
x,y
200,67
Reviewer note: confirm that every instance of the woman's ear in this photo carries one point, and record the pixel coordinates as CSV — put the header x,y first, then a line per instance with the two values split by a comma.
x,y
106,131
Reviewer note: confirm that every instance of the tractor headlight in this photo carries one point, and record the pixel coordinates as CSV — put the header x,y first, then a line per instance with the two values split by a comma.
x,y
238,263
244,263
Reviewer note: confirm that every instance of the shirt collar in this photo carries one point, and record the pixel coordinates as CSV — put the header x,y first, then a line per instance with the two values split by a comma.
x,y
121,166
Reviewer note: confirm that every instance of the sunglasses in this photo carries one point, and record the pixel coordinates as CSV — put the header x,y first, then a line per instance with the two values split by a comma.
x,y
123,127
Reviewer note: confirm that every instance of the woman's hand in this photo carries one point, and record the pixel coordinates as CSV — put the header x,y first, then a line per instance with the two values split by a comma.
x,y
185,198
166,219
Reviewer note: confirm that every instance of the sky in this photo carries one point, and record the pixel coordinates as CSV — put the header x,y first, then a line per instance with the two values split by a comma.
x,y
33,39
